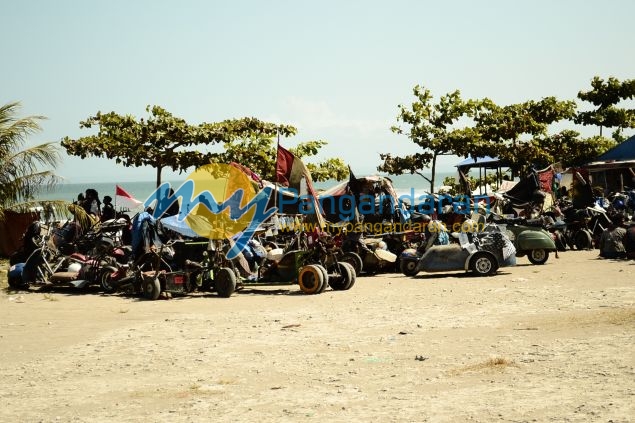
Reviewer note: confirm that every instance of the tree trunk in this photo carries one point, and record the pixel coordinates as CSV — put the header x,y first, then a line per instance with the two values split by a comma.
x,y
434,170
159,168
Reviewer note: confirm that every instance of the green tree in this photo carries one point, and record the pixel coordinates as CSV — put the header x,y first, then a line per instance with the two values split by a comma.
x,y
512,132
162,140
22,176
567,148
430,126
605,96
165,141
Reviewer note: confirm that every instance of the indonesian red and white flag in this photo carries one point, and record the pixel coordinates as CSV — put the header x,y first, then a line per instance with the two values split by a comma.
x,y
125,200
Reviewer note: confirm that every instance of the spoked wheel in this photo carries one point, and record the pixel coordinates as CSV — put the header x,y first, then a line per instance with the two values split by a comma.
x,y
354,260
225,282
151,288
343,277
538,256
483,264
311,279
408,267
325,275
105,279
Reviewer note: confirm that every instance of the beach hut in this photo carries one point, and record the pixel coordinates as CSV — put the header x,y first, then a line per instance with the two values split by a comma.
x,y
615,169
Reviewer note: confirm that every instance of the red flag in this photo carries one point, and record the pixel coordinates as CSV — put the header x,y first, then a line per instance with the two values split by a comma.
x,y
284,169
123,199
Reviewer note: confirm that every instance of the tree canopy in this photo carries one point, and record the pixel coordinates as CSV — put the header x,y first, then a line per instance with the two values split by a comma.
x,y
605,96
428,125
165,141
518,134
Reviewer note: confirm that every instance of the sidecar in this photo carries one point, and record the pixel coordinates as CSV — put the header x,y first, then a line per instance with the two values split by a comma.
x,y
482,253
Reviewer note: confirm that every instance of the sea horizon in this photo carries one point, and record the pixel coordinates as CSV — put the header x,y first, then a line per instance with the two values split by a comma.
x,y
141,189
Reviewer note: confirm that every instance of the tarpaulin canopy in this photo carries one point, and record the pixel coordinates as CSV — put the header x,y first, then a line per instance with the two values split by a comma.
x,y
486,161
622,152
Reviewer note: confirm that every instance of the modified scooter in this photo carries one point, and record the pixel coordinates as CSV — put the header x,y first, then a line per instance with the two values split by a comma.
x,y
481,253
529,237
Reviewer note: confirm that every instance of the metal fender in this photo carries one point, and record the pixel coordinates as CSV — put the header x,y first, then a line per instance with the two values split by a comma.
x,y
533,240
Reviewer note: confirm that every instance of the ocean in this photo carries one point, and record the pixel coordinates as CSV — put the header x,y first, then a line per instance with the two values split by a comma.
x,y
142,189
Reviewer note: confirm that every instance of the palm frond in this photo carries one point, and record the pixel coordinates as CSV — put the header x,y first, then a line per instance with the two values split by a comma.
x,y
30,159
21,174
14,131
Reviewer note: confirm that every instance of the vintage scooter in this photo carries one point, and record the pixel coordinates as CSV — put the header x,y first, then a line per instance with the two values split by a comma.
x,y
529,237
481,252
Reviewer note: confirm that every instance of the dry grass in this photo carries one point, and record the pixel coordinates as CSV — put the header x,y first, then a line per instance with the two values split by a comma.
x,y
493,363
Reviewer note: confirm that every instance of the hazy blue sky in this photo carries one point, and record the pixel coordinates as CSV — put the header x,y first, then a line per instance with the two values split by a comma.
x,y
335,69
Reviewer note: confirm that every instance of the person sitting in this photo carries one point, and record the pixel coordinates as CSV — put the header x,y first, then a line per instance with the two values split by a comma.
x,y
612,239
108,210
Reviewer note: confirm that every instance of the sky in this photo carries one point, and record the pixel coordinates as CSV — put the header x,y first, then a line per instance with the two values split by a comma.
x,y
337,70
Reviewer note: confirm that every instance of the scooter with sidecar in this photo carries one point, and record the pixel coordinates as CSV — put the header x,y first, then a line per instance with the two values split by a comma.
x,y
482,253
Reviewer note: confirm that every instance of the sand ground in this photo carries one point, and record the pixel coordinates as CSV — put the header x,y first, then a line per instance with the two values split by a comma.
x,y
531,344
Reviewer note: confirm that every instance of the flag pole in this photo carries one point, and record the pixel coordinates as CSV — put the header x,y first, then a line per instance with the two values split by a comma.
x,y
275,183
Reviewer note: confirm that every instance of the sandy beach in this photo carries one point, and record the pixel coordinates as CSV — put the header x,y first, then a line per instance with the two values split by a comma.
x,y
531,344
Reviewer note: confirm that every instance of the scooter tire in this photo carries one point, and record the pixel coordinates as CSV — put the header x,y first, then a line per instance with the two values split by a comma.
x,y
583,240
105,279
151,288
409,267
354,260
225,282
538,256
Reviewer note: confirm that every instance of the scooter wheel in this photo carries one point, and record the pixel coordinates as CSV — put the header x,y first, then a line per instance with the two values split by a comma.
x,y
225,282
311,279
353,274
343,279
538,256
105,279
151,288
325,275
408,267
583,240
354,260
483,264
